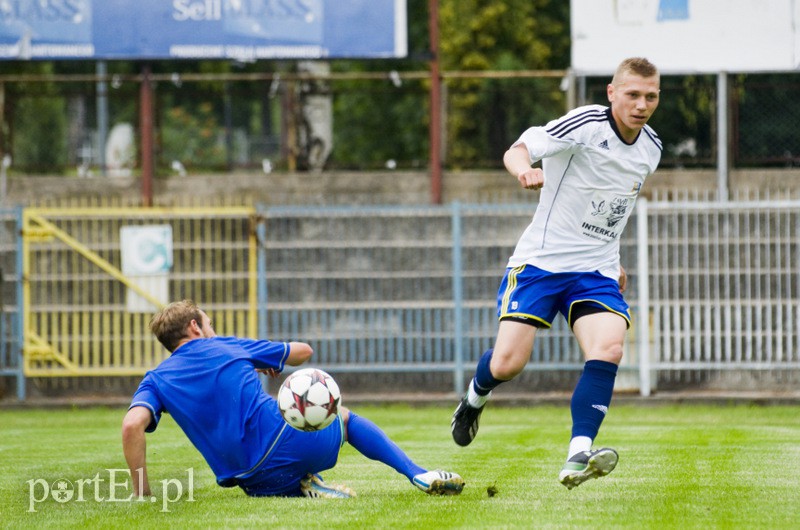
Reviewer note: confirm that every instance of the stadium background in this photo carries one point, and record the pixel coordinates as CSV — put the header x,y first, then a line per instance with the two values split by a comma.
x,y
280,237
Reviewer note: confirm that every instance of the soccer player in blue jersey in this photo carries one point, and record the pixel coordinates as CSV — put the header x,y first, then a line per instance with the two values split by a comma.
x,y
211,388
594,162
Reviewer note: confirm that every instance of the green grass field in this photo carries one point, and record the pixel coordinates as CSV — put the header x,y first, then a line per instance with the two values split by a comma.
x,y
681,466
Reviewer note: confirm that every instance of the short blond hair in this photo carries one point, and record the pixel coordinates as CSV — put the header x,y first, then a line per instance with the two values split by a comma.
x,y
635,65
169,325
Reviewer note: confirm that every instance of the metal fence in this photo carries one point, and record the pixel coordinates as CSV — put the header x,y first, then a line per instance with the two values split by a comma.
x,y
404,289
721,292
714,295
81,314
10,331
391,296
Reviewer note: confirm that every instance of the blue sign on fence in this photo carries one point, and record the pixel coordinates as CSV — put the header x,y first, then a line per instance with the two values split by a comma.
x,y
202,29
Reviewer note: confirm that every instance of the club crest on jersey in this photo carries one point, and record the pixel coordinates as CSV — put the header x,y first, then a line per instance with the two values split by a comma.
x,y
636,187
604,145
619,207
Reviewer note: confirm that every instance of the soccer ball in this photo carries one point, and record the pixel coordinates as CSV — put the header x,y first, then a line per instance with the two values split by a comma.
x,y
309,399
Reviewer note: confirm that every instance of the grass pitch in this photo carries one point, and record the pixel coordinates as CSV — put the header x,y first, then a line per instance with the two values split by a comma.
x,y
681,466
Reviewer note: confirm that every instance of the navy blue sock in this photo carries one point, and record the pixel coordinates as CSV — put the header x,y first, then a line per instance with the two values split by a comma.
x,y
592,397
484,380
372,442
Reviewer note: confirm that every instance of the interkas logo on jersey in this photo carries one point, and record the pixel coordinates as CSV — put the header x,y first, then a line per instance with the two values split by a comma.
x,y
604,215
599,230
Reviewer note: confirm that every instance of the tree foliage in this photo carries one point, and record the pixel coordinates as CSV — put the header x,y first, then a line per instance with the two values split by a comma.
x,y
385,121
511,35
38,122
473,35
380,121
508,35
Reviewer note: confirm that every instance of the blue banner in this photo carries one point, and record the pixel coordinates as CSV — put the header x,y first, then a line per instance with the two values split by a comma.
x,y
202,29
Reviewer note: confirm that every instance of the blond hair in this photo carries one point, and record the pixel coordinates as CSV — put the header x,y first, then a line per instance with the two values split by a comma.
x,y
635,65
169,325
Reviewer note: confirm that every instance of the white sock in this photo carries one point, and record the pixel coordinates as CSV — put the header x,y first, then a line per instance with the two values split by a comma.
x,y
579,444
474,399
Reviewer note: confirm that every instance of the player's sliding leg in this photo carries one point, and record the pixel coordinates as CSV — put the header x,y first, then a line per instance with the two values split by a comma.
x,y
369,440
439,482
589,405
313,486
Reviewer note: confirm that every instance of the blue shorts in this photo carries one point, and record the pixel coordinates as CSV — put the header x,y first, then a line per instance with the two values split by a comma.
x,y
534,296
294,455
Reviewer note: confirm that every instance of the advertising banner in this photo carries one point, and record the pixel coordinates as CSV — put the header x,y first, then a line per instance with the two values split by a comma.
x,y
245,30
686,36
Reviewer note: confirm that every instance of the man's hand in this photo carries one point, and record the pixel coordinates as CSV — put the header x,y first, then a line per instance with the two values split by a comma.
x,y
623,279
531,178
270,372
518,163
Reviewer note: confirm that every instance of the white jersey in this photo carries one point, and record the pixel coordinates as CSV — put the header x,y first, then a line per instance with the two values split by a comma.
x,y
591,181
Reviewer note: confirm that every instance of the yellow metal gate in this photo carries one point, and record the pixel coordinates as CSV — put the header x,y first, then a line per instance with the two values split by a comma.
x,y
93,277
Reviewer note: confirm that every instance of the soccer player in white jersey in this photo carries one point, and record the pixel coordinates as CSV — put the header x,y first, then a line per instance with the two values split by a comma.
x,y
594,162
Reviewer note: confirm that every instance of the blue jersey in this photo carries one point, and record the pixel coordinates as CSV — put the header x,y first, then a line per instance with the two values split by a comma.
x,y
211,389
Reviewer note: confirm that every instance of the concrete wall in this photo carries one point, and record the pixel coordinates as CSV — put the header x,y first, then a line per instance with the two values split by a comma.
x,y
742,183
385,187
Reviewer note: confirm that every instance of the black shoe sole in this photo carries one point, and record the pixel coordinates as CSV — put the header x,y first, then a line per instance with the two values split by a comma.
x,y
462,437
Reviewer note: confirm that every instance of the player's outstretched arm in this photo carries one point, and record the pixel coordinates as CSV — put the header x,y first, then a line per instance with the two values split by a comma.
x,y
299,352
134,447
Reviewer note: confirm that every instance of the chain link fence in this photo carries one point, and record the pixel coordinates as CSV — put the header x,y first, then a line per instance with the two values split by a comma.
x,y
89,125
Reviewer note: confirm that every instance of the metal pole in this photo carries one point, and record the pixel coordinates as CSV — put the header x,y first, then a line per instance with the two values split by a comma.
x,y
289,143
571,89
19,322
458,300
722,137
5,163
228,111
261,233
148,144
643,286
102,115
581,97
3,153
4,350
261,275
435,127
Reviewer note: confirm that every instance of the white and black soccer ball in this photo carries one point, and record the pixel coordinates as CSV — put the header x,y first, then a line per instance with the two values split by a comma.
x,y
309,399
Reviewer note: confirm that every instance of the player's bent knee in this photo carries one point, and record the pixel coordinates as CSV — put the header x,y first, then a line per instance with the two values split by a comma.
x,y
507,367
615,354
612,354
